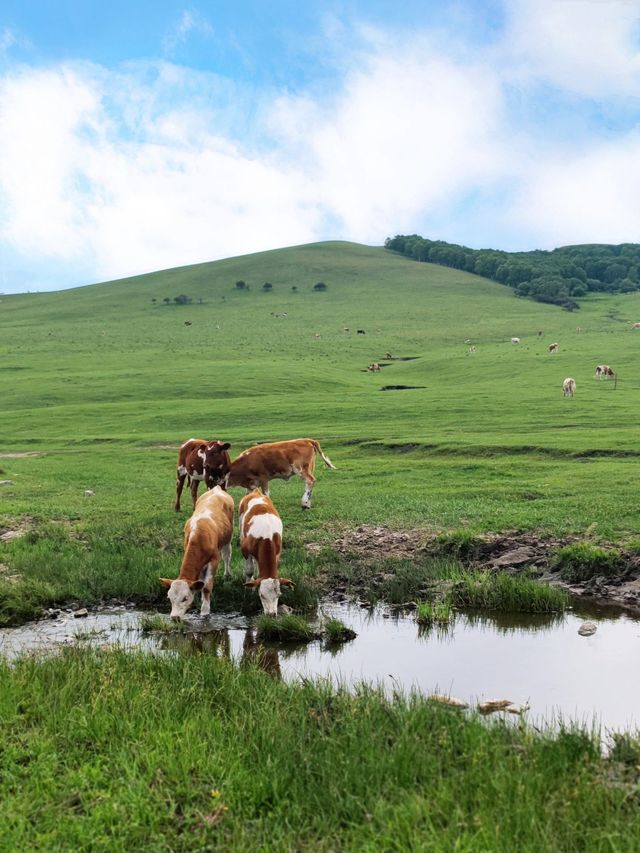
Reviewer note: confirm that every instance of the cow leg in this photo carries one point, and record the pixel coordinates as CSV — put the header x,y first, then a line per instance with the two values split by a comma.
x,y
205,607
226,557
194,490
249,568
180,478
264,485
310,482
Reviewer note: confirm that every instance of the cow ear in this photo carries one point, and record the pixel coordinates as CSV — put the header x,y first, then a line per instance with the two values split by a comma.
x,y
196,585
286,582
225,446
253,584
165,581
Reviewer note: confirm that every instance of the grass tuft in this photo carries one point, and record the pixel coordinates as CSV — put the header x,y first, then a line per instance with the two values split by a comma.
x,y
583,560
434,612
288,628
335,631
500,591
155,623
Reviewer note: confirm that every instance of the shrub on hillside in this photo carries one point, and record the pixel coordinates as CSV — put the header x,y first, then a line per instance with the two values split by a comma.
x,y
320,286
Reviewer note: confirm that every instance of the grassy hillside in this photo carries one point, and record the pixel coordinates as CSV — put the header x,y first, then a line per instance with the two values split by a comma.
x,y
103,382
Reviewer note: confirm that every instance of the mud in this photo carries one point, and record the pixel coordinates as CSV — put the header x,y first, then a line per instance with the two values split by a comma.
x,y
366,545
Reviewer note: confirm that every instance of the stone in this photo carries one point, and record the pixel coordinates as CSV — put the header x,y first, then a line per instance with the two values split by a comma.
x,y
450,701
517,557
88,493
516,709
587,629
284,610
80,613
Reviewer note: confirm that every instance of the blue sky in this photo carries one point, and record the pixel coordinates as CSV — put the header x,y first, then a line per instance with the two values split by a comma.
x,y
143,135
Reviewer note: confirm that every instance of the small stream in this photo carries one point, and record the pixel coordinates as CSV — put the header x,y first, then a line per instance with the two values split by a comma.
x,y
535,660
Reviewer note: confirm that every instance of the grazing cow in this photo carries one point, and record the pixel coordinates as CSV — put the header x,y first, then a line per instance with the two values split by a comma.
x,y
515,340
360,332
254,468
373,367
472,349
636,326
579,329
207,537
388,355
568,387
191,465
261,545
553,347
603,370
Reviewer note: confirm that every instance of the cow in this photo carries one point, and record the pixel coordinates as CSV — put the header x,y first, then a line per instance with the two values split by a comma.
x,y
254,468
472,349
261,546
604,370
539,333
553,347
388,355
636,326
191,465
515,340
568,387
360,332
579,329
207,537
373,367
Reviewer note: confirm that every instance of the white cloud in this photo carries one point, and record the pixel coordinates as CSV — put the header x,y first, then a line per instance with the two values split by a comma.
x,y
589,198
189,22
588,47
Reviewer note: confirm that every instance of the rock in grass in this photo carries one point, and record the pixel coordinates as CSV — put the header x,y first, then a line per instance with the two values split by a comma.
x,y
88,493
587,629
6,483
516,709
493,705
449,701
81,612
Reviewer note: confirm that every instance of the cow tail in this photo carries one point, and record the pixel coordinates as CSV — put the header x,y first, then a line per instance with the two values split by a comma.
x,y
325,459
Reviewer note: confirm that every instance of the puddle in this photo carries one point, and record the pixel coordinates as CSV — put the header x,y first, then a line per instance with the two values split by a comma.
x,y
540,660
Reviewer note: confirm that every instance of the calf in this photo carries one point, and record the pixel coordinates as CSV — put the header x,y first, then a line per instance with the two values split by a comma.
x,y
515,340
374,367
191,465
568,387
207,537
254,468
261,545
553,347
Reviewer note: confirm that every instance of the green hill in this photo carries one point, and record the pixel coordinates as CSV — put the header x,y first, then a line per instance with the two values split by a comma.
x,y
107,380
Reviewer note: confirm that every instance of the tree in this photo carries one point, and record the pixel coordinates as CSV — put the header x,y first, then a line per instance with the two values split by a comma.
x,y
320,286
294,288
154,300
166,300
267,286
182,299
241,285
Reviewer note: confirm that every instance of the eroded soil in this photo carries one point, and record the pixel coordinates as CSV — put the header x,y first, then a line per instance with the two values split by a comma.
x,y
366,546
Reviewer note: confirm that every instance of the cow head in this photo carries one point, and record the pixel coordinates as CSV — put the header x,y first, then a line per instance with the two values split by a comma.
x,y
181,594
269,589
217,463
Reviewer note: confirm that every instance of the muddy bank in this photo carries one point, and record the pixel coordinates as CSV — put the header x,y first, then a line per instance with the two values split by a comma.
x,y
366,546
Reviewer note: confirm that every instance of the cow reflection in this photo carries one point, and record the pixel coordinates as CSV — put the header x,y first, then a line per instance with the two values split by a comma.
x,y
266,658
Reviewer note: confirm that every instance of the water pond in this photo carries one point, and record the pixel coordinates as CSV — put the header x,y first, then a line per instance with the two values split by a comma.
x,y
540,661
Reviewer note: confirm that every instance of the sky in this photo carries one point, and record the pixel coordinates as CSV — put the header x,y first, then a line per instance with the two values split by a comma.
x,y
148,134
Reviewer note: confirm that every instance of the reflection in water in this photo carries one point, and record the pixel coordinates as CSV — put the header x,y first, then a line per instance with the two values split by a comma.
x,y
536,659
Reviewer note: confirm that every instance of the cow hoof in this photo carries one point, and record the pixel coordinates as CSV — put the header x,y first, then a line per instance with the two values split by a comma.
x,y
305,507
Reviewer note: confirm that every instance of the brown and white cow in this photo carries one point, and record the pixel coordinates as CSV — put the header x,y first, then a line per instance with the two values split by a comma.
x,y
261,546
258,465
191,465
374,367
553,347
207,537
604,370
568,387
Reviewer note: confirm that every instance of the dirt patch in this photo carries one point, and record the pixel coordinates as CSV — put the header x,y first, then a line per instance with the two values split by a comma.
x,y
367,546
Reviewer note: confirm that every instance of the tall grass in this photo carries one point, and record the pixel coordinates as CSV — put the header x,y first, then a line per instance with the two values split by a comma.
x,y
119,751
499,591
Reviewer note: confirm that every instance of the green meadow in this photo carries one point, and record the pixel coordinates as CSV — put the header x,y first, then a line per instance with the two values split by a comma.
x,y
99,386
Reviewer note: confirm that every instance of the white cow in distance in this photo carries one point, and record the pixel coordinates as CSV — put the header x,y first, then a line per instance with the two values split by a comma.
x,y
568,387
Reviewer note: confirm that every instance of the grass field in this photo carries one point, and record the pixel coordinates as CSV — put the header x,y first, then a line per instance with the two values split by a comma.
x,y
103,384
100,385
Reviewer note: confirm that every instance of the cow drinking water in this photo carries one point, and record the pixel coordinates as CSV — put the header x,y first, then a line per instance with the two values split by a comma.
x,y
207,537
261,546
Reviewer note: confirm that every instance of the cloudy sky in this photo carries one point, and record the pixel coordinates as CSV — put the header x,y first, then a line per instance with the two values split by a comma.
x,y
137,135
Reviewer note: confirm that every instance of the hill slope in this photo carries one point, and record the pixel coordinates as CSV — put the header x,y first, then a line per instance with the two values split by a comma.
x,y
107,364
